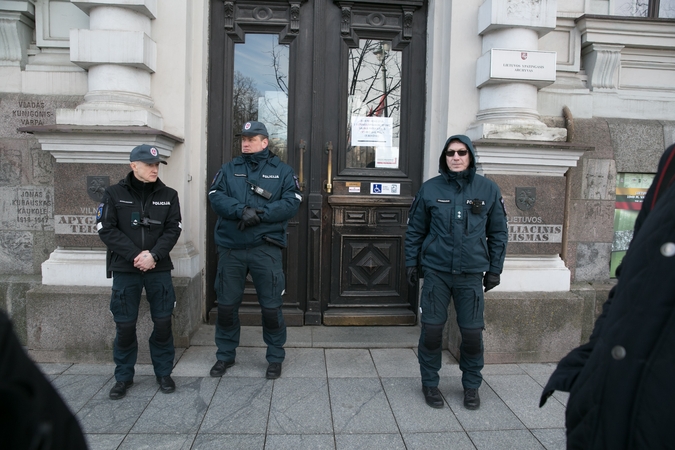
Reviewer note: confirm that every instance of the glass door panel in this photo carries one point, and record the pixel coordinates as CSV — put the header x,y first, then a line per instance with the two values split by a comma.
x,y
260,90
373,106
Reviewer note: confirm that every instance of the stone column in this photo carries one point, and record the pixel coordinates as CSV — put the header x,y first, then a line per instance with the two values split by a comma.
x,y
120,56
511,70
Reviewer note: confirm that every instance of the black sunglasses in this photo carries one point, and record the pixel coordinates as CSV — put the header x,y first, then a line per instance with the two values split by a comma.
x,y
451,153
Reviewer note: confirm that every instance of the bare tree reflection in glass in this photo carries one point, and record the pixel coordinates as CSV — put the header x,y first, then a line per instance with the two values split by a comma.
x,y
374,91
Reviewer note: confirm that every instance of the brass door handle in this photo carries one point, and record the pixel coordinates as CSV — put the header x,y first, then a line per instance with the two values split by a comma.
x,y
301,174
329,151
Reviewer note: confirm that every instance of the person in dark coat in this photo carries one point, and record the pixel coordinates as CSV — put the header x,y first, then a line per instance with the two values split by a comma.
x,y
139,221
621,381
457,234
32,414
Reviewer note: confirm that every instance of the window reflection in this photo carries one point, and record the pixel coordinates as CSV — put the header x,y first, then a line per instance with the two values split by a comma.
x,y
640,8
260,90
374,105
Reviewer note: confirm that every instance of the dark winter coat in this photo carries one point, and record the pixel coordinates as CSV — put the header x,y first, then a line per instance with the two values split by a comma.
x,y
621,382
231,192
446,232
130,221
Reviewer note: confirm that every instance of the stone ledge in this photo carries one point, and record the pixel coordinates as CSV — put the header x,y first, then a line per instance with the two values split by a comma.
x,y
527,326
73,323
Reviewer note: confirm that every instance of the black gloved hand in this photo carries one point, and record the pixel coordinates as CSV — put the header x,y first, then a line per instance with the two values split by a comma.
x,y
413,277
490,280
249,218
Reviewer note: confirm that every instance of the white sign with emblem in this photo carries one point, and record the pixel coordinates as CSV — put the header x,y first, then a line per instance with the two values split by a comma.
x,y
498,65
385,188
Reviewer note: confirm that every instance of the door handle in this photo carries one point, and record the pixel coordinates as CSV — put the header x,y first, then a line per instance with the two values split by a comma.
x,y
301,177
329,151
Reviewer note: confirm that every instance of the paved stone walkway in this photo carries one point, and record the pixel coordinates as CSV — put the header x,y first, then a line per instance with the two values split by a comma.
x,y
341,388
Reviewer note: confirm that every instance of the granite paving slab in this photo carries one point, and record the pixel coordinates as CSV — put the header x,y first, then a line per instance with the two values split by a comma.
x,y
300,406
449,365
77,390
104,441
300,442
230,441
426,441
196,362
411,411
101,415
240,406
493,414
179,412
157,442
359,405
90,369
249,362
369,442
304,362
53,368
541,375
504,439
551,438
349,363
365,337
396,362
521,394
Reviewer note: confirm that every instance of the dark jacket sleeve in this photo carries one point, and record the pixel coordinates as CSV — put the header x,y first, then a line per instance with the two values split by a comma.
x,y
418,227
222,201
569,368
33,413
497,234
172,229
110,233
287,206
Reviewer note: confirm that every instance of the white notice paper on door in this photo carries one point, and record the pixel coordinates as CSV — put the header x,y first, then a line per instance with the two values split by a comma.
x,y
371,131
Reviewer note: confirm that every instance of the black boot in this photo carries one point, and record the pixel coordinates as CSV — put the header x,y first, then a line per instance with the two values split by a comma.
x,y
433,396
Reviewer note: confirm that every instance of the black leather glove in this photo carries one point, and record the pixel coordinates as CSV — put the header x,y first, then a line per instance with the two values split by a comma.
x,y
413,277
249,218
490,280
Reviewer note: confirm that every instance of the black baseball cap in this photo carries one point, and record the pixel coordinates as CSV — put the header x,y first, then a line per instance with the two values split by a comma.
x,y
145,153
253,128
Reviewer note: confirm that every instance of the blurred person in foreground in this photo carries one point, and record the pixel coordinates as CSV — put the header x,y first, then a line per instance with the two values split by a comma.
x,y
621,381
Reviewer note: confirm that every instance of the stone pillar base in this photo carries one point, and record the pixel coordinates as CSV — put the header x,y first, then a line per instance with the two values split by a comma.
x,y
533,273
74,324
523,327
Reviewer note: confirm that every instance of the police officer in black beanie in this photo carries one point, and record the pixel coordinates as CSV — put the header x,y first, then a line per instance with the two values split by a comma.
x,y
139,221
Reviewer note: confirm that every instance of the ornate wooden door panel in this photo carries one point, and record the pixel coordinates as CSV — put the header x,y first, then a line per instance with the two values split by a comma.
x,y
349,63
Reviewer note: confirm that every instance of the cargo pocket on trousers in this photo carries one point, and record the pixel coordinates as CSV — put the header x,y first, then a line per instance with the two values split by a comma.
x,y
278,284
118,305
168,298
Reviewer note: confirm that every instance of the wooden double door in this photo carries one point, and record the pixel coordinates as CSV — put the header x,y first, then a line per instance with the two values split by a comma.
x,y
341,88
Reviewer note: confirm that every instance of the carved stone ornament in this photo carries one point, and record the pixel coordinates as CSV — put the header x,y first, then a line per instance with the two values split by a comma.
x,y
526,197
346,21
229,16
96,186
407,25
295,17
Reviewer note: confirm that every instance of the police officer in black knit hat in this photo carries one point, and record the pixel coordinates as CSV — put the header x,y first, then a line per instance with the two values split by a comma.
x,y
139,221
254,196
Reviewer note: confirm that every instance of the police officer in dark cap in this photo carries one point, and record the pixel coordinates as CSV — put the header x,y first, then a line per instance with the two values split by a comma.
x,y
254,196
139,221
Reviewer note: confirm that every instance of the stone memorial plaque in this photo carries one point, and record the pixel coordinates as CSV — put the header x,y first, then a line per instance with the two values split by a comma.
x,y
20,110
77,193
27,208
535,207
16,252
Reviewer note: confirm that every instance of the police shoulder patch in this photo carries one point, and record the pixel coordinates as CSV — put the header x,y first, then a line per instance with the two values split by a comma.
x,y
99,211
297,183
501,200
216,178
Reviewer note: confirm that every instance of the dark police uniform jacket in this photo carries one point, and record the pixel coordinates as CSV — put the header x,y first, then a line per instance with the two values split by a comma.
x,y
127,226
457,222
230,192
